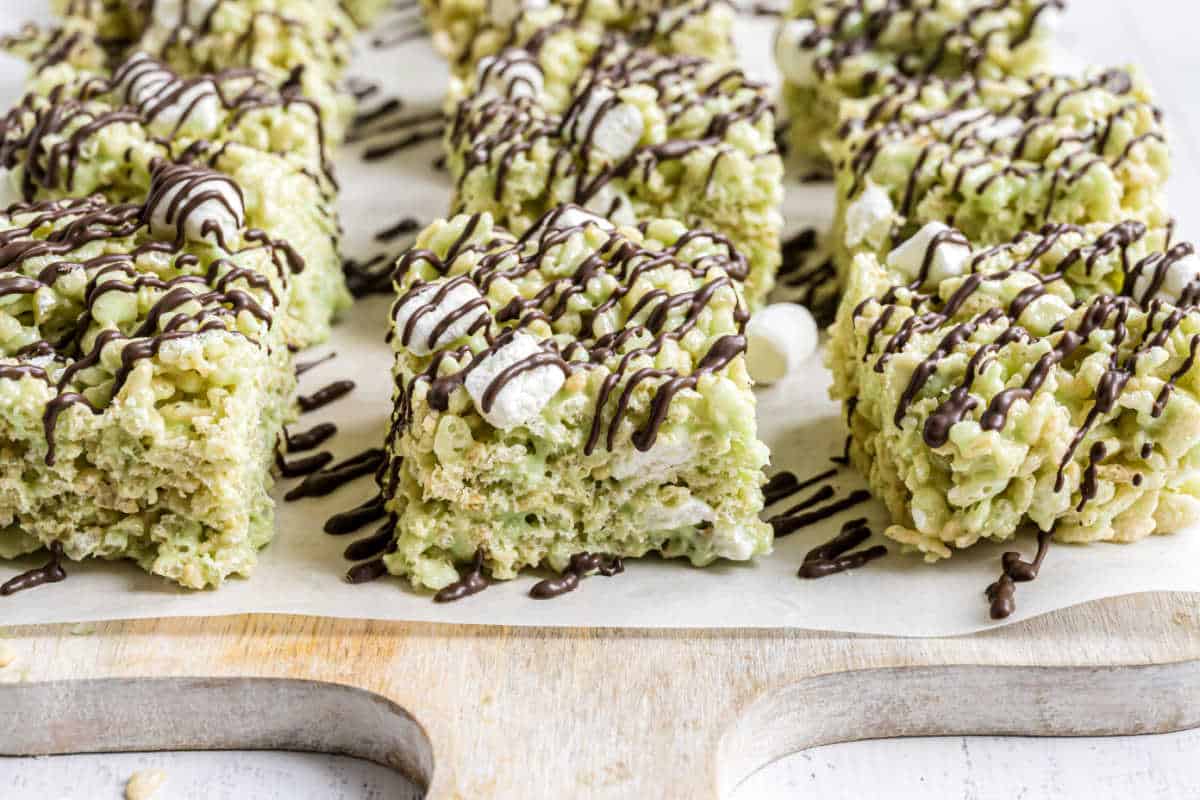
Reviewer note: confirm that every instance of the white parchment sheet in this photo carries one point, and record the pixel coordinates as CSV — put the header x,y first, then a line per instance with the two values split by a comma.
x,y
301,571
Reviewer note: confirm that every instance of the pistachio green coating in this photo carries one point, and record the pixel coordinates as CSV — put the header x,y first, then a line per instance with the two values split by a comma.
x,y
1104,445
537,493
166,457
855,47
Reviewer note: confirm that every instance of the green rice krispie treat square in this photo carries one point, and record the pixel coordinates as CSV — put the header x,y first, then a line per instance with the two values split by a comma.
x,y
581,388
993,158
144,379
63,147
1049,383
68,47
234,105
834,50
303,43
469,30
636,135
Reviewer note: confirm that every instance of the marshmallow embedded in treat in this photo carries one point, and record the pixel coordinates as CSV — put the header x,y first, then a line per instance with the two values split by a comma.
x,y
870,217
796,52
1169,277
195,203
978,124
169,104
603,125
503,13
430,316
688,512
170,13
1048,18
654,465
571,216
612,203
933,254
511,384
512,74
779,339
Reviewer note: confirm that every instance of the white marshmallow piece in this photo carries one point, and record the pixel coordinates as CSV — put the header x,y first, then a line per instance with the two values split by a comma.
x,y
503,13
510,75
1048,21
612,128
169,13
688,512
978,124
869,218
796,61
779,339
226,211
521,398
431,313
570,216
938,249
613,204
655,465
1180,274
736,544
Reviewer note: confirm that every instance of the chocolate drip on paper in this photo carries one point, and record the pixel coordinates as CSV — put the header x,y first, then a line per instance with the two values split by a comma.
x,y
50,572
1002,593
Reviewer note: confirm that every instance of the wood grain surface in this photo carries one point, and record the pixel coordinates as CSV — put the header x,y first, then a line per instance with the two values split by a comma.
x,y
530,713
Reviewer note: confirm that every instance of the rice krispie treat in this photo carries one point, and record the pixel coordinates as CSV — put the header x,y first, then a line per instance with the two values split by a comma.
x,y
144,379
61,147
581,388
1048,382
832,50
637,135
993,158
234,105
469,30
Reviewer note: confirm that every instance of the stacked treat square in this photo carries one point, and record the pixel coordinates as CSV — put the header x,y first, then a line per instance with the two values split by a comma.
x,y
1015,344
176,241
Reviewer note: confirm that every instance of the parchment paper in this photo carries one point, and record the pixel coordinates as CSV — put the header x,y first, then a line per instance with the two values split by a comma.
x,y
300,573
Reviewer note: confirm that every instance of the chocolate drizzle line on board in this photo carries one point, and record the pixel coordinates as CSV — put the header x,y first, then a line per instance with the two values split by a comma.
x,y
325,395
352,520
332,478
305,366
783,485
310,439
299,467
50,572
579,566
1002,593
796,518
834,556
471,581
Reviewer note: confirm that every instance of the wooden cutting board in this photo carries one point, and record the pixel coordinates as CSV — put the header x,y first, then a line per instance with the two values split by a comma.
x,y
538,712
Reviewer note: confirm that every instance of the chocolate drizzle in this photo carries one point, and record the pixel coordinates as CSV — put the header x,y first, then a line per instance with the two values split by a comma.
x,y
349,521
332,478
325,395
795,518
50,572
1002,593
310,439
579,566
834,556
472,581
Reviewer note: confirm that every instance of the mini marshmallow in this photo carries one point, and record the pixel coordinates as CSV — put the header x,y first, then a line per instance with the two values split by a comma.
x,y
1048,19
654,465
870,217
431,313
570,216
950,256
1180,273
520,398
609,128
226,211
736,544
503,13
172,13
978,124
613,204
689,512
796,61
196,109
513,74
779,338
